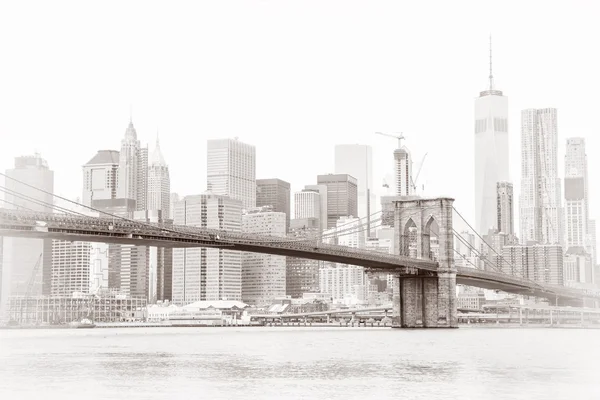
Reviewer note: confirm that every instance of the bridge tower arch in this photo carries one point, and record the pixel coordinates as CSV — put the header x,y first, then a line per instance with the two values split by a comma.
x,y
425,298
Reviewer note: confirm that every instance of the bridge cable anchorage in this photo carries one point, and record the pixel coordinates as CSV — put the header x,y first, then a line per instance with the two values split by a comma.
x,y
493,249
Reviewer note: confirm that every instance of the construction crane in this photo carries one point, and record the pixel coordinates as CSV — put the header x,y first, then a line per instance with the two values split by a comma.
x,y
393,136
30,284
414,182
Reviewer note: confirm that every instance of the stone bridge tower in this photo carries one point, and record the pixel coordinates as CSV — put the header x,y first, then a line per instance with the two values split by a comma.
x,y
422,298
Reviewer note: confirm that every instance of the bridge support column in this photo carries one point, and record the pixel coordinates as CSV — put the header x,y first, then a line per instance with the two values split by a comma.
x,y
396,319
425,299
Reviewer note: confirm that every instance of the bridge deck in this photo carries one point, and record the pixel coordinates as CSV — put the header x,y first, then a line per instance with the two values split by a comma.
x,y
118,230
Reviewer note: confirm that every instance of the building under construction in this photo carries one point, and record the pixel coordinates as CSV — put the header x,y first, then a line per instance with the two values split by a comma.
x,y
56,310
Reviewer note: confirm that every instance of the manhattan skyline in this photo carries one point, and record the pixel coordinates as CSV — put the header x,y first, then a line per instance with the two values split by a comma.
x,y
422,85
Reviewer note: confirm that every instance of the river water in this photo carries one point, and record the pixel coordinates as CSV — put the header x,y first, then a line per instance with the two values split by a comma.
x,y
299,363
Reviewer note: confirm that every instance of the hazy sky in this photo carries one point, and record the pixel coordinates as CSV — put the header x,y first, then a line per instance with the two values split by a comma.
x,y
294,79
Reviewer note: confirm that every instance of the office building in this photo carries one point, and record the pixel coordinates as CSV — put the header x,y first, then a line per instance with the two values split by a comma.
x,y
307,204
341,196
578,267
540,200
70,268
172,200
132,180
276,194
541,263
128,265
100,176
231,170
322,190
263,275
207,273
591,243
159,183
505,207
159,206
491,152
302,275
27,260
357,160
346,284
98,267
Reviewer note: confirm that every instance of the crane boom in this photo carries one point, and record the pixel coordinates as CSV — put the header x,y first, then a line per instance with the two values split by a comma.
x,y
414,182
393,136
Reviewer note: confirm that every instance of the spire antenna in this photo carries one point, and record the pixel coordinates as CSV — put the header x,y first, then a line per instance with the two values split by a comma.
x,y
491,76
130,113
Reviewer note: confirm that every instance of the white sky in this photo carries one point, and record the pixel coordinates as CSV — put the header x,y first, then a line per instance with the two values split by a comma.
x,y
294,79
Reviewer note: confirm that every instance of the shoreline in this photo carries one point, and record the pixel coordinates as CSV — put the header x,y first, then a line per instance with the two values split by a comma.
x,y
314,325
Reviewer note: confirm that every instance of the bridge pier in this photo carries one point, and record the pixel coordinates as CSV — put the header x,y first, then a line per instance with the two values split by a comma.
x,y
425,299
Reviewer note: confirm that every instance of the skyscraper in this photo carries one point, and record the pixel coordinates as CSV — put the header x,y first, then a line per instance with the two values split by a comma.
x,y
159,184
540,202
231,170
576,193
403,172
70,267
132,180
357,160
21,255
274,193
263,275
307,204
100,176
342,194
322,190
505,207
302,275
207,273
159,206
491,152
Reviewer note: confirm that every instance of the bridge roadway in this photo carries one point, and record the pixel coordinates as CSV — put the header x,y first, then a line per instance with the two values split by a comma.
x,y
117,230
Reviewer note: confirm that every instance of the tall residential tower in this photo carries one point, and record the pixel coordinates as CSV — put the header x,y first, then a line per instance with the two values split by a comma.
x,y
540,201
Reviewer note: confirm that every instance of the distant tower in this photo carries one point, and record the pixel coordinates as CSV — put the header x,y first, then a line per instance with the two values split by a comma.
x,y
276,194
133,169
159,184
100,176
576,193
159,202
403,172
505,207
231,170
540,201
20,255
491,152
207,273
357,160
342,193
263,275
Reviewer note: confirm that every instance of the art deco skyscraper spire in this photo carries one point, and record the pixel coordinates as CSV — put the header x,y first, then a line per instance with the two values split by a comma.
x,y
133,169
